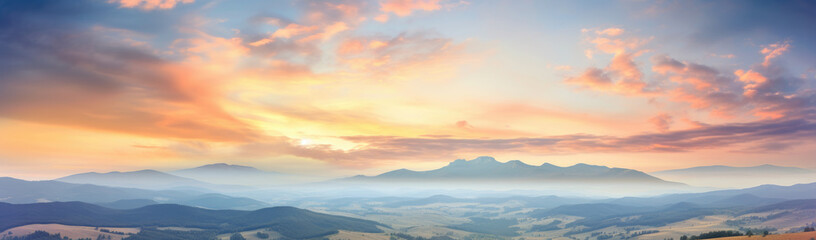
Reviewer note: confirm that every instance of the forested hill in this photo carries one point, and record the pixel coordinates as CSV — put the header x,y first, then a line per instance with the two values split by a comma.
x,y
288,221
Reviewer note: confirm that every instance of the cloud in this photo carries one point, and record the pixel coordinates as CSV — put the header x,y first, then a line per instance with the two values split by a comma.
x,y
612,32
52,75
765,90
593,78
404,8
289,31
399,56
149,4
622,75
772,51
375,150
463,124
662,122
381,18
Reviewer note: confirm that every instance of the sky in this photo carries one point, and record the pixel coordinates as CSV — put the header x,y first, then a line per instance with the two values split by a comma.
x,y
338,88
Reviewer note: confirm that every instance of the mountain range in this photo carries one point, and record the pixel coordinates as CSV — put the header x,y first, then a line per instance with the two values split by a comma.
x,y
212,177
21,191
223,173
730,177
720,169
488,169
147,179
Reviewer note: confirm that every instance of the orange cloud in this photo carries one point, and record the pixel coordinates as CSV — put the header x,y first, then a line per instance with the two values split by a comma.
x,y
622,74
292,30
593,78
751,79
612,32
377,44
404,8
353,46
327,32
381,18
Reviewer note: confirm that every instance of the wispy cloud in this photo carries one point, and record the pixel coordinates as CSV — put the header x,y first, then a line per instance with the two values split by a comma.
x,y
150,4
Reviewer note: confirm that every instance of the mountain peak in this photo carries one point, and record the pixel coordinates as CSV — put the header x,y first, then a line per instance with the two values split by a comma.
x,y
225,165
484,159
222,168
487,168
517,163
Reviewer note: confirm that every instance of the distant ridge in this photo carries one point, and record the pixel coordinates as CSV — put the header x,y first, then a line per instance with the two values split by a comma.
x,y
21,191
150,179
765,168
738,177
221,168
487,168
223,173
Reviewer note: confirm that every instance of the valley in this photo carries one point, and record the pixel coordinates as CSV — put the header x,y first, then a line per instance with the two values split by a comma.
x,y
478,214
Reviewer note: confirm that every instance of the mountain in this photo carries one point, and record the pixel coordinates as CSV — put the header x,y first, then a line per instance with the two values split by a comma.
x,y
733,197
20,191
745,199
488,169
146,179
221,168
740,177
288,221
223,173
596,216
799,204
720,169
128,203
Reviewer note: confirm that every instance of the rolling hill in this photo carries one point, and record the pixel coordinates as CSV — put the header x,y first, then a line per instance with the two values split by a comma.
x,y
288,221
20,191
779,193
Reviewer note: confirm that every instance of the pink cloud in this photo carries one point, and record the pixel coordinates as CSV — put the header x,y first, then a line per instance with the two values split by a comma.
x,y
463,124
662,122
593,78
149,4
376,150
381,18
772,51
752,80
764,90
621,76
